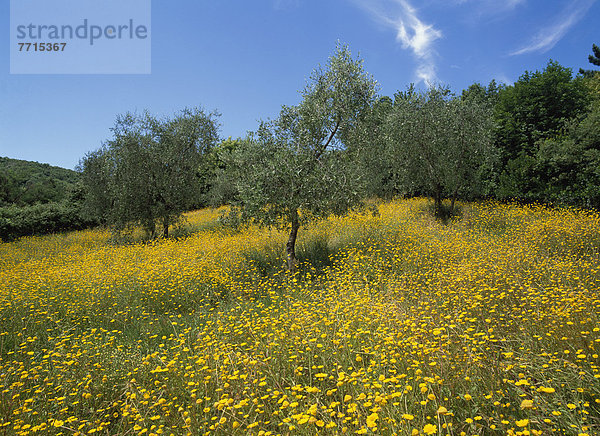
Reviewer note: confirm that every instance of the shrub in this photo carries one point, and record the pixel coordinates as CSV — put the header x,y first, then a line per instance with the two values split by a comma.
x,y
41,219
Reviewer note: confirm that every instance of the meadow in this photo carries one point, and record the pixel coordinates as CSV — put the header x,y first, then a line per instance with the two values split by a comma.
x,y
395,324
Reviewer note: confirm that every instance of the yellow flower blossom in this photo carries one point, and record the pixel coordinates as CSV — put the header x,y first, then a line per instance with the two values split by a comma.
x,y
429,429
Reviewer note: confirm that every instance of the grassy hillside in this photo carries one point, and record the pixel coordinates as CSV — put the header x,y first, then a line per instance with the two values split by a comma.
x,y
26,183
397,325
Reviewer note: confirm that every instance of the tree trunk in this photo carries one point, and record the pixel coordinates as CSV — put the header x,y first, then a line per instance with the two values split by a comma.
x,y
165,227
454,194
290,247
437,207
151,229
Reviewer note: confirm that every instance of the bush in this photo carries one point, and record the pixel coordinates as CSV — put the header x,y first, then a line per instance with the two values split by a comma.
x,y
41,219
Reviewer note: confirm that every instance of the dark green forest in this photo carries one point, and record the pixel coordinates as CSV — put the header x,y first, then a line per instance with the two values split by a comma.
x,y
25,183
537,140
37,198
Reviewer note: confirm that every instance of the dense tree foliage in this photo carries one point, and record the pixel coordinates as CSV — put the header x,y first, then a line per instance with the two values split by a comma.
x,y
218,172
566,170
441,144
149,171
487,95
535,140
297,166
42,218
537,106
545,129
367,145
38,198
593,59
8,189
25,183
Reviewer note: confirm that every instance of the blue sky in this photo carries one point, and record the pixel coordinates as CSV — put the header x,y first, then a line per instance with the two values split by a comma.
x,y
247,58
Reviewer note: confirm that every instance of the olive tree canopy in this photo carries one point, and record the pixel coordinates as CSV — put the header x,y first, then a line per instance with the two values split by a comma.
x,y
297,167
441,144
148,171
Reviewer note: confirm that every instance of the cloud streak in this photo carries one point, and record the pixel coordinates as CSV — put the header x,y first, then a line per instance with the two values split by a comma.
x,y
411,32
493,6
486,9
547,37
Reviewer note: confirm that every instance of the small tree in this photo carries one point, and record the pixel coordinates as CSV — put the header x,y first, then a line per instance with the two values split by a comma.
x,y
441,144
148,172
593,59
296,167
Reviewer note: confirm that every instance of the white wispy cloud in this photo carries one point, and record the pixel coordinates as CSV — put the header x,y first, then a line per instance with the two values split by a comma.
x,y
478,13
411,32
494,6
510,4
548,36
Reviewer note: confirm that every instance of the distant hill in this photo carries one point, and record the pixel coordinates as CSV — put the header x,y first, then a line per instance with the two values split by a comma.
x,y
26,183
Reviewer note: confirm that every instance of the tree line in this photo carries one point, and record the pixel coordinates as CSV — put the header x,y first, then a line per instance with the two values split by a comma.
x,y
535,140
38,198
24,183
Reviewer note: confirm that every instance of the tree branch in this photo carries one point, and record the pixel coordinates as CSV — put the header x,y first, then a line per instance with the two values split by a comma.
x,y
324,147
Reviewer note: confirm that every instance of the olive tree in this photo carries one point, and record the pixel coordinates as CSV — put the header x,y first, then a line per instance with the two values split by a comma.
x,y
367,144
96,169
441,144
297,167
148,172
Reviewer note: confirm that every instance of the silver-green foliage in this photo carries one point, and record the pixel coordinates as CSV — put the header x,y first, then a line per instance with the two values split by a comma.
x,y
297,166
148,171
441,145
